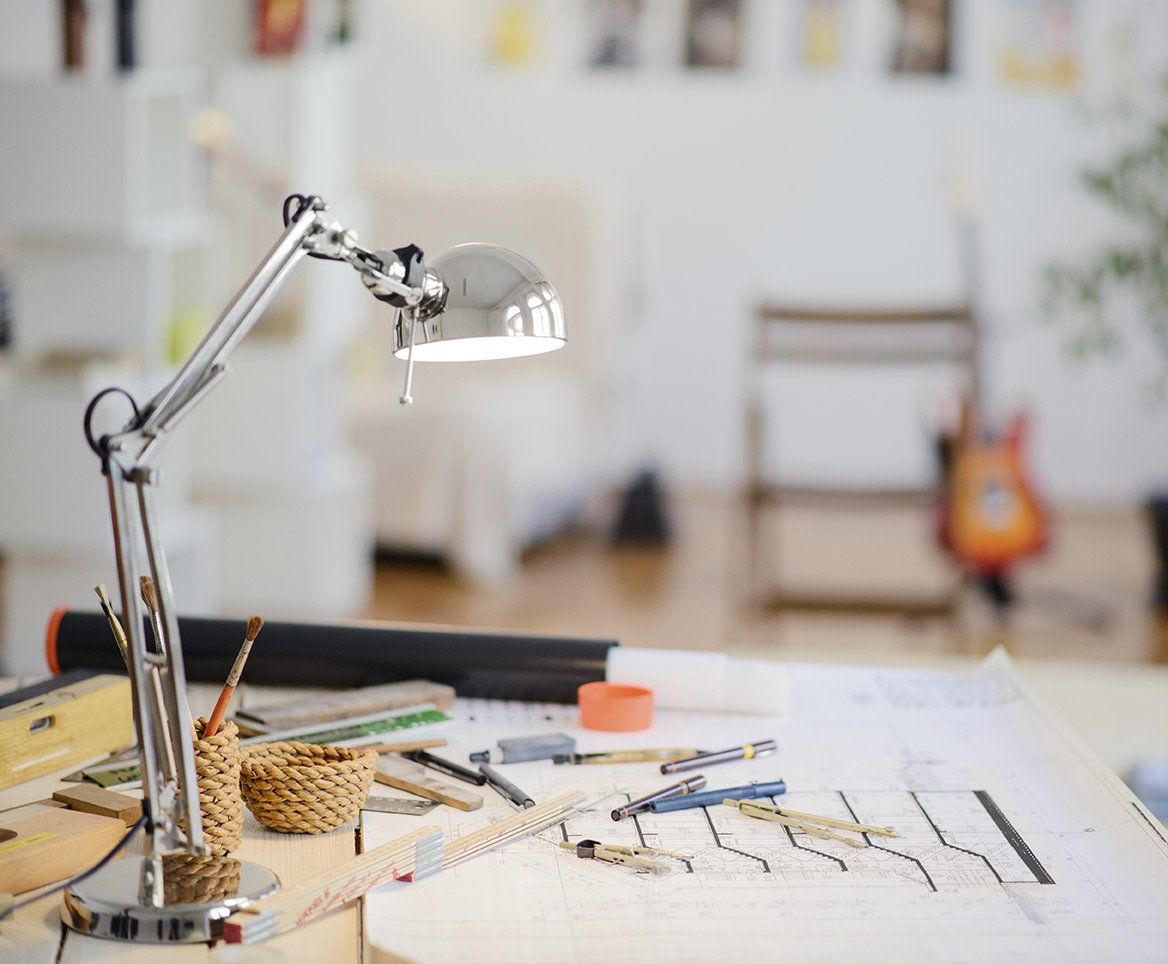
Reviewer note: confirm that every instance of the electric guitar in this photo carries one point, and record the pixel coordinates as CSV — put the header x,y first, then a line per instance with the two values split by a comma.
x,y
989,516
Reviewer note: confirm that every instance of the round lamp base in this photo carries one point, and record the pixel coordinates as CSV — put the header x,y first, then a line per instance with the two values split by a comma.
x,y
197,893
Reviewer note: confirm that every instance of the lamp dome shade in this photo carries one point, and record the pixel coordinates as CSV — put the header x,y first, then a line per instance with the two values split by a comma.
x,y
498,305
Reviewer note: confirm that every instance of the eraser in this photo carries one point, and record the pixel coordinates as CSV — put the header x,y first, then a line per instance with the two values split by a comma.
x,y
520,749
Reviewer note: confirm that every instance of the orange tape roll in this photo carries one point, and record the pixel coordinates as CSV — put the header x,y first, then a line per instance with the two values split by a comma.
x,y
615,708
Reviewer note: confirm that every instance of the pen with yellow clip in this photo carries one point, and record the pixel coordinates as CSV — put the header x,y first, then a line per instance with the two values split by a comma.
x,y
748,751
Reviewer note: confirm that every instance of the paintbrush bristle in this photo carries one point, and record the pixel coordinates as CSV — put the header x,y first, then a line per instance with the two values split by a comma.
x,y
149,596
102,595
254,625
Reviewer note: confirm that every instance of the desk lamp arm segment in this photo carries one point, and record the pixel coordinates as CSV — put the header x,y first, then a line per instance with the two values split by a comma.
x,y
398,277
158,678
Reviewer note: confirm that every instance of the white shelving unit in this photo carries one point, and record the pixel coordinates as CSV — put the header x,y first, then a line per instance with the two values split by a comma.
x,y
103,199
273,460
265,508
55,498
106,160
104,217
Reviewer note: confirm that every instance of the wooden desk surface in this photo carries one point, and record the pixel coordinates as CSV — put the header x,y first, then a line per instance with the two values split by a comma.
x,y
35,934
1119,709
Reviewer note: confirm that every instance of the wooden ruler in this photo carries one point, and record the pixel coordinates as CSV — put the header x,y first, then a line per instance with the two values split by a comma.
x,y
408,858
411,857
414,778
522,824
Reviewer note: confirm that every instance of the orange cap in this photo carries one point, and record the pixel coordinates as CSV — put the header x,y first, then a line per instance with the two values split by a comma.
x,y
51,631
615,708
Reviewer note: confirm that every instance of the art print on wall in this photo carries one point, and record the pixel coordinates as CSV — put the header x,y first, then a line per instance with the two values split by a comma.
x,y
821,34
924,41
713,34
513,33
616,33
279,27
1040,47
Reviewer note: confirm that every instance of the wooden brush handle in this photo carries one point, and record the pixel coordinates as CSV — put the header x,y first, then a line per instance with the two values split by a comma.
x,y
219,712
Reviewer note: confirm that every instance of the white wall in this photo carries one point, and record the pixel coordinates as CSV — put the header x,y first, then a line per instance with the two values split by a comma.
x,y
774,182
769,182
170,31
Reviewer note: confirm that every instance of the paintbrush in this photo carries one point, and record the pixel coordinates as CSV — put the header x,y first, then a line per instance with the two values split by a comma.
x,y
114,624
254,625
150,598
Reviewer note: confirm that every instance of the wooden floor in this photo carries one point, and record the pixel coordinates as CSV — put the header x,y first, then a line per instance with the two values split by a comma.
x,y
1086,599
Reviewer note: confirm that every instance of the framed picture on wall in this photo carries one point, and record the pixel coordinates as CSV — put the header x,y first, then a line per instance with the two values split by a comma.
x,y
279,27
923,39
615,31
713,34
512,34
821,29
1040,47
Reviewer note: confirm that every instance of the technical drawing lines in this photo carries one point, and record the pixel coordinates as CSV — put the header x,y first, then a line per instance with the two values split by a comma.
x,y
889,850
953,846
1013,838
811,850
766,867
949,839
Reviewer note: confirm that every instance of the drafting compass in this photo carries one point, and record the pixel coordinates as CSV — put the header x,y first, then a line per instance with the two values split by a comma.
x,y
641,859
823,828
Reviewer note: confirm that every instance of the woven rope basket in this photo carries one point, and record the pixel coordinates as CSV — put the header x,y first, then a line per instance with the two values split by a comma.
x,y
188,879
217,763
298,788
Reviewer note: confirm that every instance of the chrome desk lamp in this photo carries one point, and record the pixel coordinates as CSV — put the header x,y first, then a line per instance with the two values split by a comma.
x,y
474,301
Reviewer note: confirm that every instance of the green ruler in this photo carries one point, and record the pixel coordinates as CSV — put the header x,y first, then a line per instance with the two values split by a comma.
x,y
342,733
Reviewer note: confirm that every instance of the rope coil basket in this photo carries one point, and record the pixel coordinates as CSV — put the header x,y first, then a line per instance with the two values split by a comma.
x,y
187,879
301,788
217,763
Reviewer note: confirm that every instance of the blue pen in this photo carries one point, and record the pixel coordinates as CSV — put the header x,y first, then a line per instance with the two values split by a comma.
x,y
711,798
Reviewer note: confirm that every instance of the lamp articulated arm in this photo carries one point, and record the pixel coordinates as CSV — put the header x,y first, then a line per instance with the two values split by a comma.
x,y
158,679
478,301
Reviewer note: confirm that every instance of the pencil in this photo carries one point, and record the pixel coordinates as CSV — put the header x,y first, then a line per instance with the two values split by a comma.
x,y
404,747
254,625
626,756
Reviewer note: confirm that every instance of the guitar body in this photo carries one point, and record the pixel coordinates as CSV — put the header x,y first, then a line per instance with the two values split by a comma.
x,y
990,515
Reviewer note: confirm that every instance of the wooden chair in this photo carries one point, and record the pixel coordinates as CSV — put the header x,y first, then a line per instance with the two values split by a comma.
x,y
869,337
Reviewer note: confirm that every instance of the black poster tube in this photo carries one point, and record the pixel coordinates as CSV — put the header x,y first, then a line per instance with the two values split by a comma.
x,y
484,664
